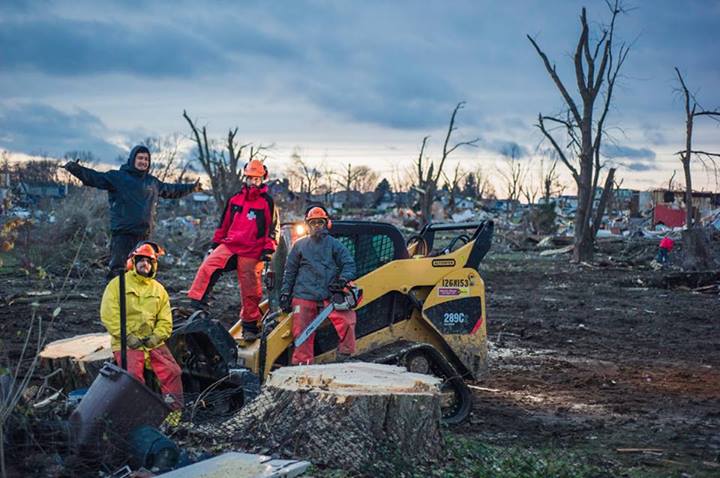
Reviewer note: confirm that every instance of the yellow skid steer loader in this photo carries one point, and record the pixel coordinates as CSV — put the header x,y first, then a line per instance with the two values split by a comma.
x,y
423,308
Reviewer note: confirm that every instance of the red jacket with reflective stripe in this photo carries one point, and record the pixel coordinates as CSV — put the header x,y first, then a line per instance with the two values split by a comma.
x,y
249,223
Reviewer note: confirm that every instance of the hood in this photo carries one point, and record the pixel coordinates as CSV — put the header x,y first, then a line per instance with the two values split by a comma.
x,y
130,165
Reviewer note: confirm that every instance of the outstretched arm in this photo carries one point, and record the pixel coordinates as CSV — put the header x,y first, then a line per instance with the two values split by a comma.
x,y
89,177
175,190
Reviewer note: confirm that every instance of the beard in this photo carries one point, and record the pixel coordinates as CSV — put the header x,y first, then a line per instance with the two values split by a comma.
x,y
317,232
144,272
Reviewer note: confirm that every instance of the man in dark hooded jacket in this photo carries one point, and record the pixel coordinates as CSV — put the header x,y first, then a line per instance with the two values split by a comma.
x,y
132,193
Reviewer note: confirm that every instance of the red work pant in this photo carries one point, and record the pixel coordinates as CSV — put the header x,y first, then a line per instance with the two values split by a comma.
x,y
307,310
165,367
249,272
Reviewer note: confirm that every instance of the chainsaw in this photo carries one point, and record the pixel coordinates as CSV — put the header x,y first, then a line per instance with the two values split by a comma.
x,y
346,299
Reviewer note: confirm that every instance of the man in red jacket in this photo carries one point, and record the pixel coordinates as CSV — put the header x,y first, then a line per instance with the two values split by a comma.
x,y
244,239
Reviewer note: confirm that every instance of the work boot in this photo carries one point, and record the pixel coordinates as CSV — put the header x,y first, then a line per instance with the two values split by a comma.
x,y
251,332
199,305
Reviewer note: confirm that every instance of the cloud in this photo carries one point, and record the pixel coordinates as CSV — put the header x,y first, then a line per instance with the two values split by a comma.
x,y
640,167
505,147
615,151
68,47
41,129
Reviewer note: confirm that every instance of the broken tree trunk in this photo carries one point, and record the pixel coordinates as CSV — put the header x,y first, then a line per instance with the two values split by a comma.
x,y
78,358
696,244
370,418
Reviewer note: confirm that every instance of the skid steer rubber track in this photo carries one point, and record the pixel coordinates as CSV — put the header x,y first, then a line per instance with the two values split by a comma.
x,y
431,361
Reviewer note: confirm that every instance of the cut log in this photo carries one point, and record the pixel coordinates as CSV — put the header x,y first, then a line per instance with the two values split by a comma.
x,y
78,358
373,419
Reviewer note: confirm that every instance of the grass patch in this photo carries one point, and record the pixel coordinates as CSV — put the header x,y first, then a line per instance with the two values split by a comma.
x,y
472,458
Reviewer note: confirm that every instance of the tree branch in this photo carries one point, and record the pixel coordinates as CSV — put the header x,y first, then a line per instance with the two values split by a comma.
x,y
553,74
561,154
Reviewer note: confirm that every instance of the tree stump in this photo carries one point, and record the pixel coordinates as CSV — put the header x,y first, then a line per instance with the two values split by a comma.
x,y
78,360
369,418
696,245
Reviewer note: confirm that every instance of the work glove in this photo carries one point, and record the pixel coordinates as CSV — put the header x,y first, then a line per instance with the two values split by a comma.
x,y
285,303
338,285
133,342
266,255
153,341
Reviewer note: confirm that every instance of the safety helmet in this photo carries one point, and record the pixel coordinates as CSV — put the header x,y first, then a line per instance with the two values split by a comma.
x,y
318,212
255,169
145,249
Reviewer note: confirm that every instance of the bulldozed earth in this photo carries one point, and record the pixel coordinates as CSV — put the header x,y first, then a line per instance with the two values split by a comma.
x,y
602,365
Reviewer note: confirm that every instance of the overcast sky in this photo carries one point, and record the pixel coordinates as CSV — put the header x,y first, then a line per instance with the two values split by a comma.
x,y
343,81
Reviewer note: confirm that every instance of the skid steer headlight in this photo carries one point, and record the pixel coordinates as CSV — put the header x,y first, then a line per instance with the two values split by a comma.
x,y
300,230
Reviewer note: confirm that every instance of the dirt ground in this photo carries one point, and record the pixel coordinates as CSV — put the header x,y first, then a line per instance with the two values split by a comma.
x,y
598,359
582,358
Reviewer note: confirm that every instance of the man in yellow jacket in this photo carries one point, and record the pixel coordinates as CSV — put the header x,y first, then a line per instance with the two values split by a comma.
x,y
149,321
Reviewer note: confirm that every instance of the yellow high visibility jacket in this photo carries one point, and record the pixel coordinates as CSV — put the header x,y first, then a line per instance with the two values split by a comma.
x,y
147,305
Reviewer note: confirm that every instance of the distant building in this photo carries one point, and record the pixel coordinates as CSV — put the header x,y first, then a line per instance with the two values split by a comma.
x,y
669,206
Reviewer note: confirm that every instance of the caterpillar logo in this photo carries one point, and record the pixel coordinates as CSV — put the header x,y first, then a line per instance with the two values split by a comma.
x,y
443,263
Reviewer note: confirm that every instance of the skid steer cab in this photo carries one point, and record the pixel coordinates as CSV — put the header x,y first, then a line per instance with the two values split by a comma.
x,y
423,308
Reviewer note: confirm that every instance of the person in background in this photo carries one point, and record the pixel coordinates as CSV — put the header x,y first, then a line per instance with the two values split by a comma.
x,y
132,193
664,249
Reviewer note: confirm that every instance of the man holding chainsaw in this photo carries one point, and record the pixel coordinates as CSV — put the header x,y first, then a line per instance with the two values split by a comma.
x,y
244,240
318,267
148,322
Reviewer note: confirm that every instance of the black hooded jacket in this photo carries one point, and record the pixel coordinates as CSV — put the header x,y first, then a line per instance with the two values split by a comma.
x,y
132,193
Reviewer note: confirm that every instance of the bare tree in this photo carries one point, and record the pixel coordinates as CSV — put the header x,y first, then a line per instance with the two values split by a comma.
x,y
224,167
597,65
706,158
306,178
550,180
366,179
428,173
167,163
513,173
694,239
453,186
348,177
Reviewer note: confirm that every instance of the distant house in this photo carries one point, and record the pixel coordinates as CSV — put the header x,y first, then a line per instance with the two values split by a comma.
x,y
669,206
344,199
464,203
567,202
505,205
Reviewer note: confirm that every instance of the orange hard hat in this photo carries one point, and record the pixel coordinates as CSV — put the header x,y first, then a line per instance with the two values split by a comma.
x,y
318,212
255,168
146,249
